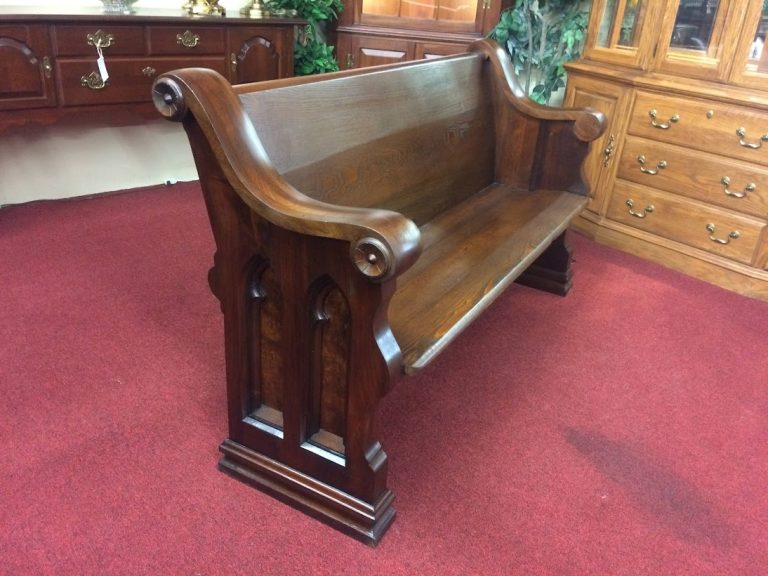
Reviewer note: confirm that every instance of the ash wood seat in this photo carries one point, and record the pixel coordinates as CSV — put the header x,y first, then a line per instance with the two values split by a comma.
x,y
362,220
471,253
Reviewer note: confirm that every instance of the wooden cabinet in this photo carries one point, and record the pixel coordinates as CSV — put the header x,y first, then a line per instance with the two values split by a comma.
x,y
372,32
681,174
49,62
26,74
357,51
259,53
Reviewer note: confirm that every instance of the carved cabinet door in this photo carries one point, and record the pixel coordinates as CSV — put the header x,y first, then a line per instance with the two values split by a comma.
x,y
26,68
257,54
358,51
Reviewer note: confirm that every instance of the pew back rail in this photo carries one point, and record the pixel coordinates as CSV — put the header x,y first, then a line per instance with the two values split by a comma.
x,y
362,220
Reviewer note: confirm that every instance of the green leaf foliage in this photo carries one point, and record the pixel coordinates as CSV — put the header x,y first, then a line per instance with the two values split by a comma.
x,y
311,55
540,36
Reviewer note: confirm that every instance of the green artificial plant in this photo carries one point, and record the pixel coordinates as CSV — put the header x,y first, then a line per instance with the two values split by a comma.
x,y
311,54
540,36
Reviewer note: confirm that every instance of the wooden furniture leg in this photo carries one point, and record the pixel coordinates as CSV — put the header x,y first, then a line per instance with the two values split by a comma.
x,y
551,272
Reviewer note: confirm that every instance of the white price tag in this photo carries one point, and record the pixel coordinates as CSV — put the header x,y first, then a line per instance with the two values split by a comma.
x,y
102,65
102,68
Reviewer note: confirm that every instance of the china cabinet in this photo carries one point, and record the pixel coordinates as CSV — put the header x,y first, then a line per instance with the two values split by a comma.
x,y
371,32
681,174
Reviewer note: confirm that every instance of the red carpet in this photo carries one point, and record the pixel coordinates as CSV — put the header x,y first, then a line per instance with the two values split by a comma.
x,y
622,430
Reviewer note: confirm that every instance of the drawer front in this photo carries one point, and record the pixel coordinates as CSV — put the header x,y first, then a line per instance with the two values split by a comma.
x,y
712,179
115,40
186,40
682,220
702,125
130,79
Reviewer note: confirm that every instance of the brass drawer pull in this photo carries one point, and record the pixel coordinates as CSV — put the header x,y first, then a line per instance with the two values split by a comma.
x,y
663,125
660,165
725,181
608,152
148,71
47,68
733,235
350,61
233,61
742,132
188,39
94,81
648,209
100,39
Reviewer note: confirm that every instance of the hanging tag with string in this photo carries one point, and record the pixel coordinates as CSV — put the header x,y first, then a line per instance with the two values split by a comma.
x,y
101,64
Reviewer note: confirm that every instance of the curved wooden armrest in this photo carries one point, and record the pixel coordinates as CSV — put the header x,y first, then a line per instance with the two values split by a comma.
x,y
588,124
383,243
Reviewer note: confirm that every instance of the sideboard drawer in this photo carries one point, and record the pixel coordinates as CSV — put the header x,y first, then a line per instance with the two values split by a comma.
x,y
713,179
682,220
716,127
115,40
186,40
130,79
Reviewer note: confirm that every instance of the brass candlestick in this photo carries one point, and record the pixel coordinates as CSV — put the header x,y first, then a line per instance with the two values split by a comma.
x,y
204,7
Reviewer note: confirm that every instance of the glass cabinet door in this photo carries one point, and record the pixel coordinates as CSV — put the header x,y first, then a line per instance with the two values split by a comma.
x,y
618,31
751,62
696,41
444,14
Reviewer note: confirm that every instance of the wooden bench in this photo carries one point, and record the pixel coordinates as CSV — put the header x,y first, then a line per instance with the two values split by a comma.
x,y
362,220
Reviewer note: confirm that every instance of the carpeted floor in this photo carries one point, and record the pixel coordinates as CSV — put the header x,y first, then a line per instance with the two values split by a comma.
x,y
622,430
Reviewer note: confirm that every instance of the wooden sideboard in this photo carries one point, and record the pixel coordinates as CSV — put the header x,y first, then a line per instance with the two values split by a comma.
x,y
49,68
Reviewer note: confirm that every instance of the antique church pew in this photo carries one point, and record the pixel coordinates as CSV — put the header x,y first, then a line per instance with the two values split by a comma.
x,y
362,220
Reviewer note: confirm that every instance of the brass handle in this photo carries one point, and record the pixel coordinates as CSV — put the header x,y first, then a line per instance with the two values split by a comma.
x,y
742,132
47,68
148,71
725,181
663,125
94,81
660,165
100,39
350,61
733,235
648,209
608,152
233,61
188,39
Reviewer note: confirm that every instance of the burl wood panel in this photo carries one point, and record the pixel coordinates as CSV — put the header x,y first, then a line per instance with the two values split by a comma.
x,y
265,335
330,366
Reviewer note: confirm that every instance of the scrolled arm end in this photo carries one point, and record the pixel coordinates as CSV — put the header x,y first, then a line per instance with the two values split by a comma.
x,y
386,251
169,98
589,125
373,258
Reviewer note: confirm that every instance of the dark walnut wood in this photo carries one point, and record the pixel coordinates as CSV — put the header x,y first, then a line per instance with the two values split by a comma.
x,y
362,220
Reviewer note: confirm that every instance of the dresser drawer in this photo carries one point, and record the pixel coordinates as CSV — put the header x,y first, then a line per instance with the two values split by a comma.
x,y
186,40
703,125
115,40
683,220
712,179
130,79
